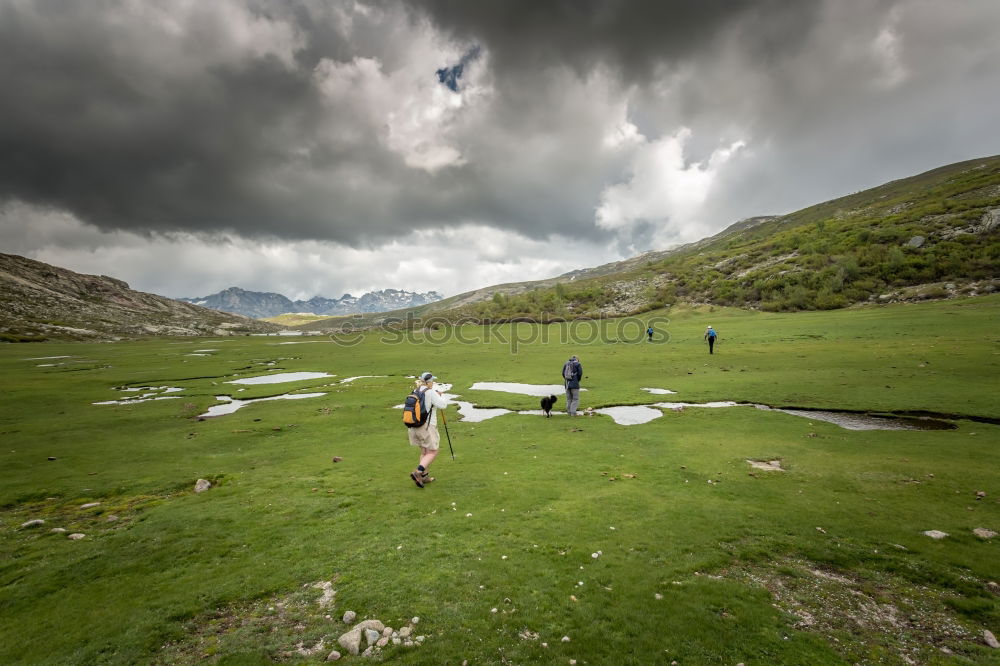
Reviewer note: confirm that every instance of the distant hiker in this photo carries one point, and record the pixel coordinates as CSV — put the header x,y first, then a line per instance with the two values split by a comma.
x,y
710,335
572,374
649,332
421,417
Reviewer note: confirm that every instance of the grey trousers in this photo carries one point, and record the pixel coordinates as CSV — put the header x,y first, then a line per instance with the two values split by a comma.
x,y
572,400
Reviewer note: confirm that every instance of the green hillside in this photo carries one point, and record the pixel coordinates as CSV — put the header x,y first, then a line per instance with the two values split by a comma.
x,y
930,236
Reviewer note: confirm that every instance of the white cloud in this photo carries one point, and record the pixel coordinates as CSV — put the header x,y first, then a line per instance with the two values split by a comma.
x,y
183,264
663,189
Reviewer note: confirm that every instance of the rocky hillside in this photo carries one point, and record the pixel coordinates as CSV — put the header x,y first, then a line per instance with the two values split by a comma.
x,y
262,305
39,301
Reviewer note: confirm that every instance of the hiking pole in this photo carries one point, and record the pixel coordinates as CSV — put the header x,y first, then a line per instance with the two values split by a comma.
x,y
447,434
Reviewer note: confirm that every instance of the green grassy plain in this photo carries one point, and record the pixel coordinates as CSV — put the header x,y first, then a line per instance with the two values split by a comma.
x,y
824,563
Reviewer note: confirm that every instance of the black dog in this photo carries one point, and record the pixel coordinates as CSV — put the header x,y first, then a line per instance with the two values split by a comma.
x,y
547,405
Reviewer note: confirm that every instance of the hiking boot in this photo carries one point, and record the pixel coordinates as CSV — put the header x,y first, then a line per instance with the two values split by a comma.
x,y
418,478
427,478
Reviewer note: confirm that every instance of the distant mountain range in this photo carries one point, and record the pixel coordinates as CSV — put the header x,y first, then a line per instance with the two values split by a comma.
x,y
260,305
39,302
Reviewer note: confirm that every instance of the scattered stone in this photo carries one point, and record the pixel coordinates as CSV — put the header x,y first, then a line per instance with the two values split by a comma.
x,y
112,518
821,530
658,596
370,624
52,457
58,530
980,494
382,642
76,536
32,523
337,459
370,650
90,505
565,639
333,656
349,617
990,639
351,641
935,534
372,636
201,485
984,533
915,242
406,631
388,631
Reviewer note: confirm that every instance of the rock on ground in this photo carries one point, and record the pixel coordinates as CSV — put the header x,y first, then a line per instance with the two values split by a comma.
x,y
33,523
990,639
984,533
333,656
349,617
76,536
201,485
351,641
935,534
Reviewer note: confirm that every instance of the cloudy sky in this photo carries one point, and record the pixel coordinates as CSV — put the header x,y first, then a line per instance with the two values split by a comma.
x,y
323,146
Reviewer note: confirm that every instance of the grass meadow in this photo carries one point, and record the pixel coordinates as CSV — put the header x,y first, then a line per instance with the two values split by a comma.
x,y
702,559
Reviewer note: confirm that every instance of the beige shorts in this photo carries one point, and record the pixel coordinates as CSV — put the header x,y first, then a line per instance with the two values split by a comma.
x,y
426,436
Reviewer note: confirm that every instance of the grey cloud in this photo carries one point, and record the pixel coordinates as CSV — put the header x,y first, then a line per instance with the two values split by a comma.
x,y
127,124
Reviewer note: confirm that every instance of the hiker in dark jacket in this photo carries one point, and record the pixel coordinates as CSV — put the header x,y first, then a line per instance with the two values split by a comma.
x,y
572,374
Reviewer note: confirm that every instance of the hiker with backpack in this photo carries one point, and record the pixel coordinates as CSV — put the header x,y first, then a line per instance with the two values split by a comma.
x,y
572,374
420,418
711,336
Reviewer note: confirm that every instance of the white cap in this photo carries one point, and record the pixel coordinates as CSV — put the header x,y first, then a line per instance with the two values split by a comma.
x,y
427,376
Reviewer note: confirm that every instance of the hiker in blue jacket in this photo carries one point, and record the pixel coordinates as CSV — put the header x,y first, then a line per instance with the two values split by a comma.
x,y
710,335
572,374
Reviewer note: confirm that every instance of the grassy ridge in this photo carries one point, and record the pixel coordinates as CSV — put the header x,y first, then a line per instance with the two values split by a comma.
x,y
849,250
180,577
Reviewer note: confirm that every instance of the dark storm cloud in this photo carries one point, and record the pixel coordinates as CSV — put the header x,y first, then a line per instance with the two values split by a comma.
x,y
634,36
326,120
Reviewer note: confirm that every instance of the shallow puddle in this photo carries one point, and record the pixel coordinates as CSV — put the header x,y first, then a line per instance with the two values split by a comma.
x,y
348,380
231,404
472,414
630,415
152,393
680,406
281,378
658,391
859,421
538,390
44,358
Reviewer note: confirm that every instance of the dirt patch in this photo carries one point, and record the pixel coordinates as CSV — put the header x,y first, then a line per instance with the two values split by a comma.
x,y
287,626
767,465
870,617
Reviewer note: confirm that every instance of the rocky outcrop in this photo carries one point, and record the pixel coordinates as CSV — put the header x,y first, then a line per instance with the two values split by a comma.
x,y
39,301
